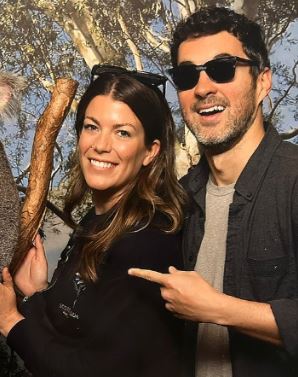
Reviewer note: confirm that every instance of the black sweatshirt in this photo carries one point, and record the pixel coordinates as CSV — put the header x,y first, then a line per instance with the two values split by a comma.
x,y
117,326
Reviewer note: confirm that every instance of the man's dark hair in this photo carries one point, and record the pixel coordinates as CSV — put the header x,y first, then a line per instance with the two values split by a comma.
x,y
212,20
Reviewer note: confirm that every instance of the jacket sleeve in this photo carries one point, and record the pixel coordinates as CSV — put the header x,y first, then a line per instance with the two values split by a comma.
x,y
286,310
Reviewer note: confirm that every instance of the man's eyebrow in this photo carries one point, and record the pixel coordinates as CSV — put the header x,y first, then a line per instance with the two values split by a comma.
x,y
221,55
186,62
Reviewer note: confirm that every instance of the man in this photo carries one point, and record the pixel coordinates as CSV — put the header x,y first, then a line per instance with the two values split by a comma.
x,y
241,230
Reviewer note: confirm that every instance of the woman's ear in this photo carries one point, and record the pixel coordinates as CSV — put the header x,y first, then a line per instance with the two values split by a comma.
x,y
152,152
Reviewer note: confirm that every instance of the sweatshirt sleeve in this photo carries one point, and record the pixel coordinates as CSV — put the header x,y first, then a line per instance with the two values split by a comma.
x,y
43,350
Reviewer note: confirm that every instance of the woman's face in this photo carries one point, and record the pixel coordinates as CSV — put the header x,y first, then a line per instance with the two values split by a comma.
x,y
112,149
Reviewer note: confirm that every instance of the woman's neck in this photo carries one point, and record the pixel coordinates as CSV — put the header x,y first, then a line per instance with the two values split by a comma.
x,y
104,201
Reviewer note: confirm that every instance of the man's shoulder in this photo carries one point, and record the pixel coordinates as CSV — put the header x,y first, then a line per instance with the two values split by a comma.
x,y
288,150
286,156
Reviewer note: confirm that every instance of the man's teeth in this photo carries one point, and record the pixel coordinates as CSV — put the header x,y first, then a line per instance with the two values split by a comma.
x,y
210,110
101,164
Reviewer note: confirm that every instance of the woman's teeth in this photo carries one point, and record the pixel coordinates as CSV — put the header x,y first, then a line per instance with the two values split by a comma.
x,y
101,164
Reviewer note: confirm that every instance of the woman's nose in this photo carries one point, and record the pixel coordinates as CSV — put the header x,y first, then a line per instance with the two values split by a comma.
x,y
102,143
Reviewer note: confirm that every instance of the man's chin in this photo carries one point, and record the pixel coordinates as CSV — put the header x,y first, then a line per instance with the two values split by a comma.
x,y
214,147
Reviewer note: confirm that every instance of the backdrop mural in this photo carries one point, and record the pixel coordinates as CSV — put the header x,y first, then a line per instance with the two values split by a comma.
x,y
43,41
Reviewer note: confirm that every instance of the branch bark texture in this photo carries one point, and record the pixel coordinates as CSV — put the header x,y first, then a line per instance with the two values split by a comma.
x,y
41,166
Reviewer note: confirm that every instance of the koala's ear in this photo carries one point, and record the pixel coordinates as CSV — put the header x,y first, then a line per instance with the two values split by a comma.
x,y
5,95
11,87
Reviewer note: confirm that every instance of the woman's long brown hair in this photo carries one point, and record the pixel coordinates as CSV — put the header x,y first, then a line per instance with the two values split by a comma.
x,y
155,188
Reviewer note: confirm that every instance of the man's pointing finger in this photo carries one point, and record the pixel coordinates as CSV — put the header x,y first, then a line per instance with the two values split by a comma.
x,y
150,275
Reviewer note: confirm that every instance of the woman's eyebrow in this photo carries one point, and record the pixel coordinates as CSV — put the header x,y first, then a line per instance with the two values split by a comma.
x,y
119,125
115,126
93,119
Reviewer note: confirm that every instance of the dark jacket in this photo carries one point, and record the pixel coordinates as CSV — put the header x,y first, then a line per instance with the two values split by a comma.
x,y
261,252
117,326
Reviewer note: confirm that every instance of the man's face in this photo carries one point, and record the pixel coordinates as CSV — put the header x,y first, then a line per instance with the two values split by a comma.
x,y
218,114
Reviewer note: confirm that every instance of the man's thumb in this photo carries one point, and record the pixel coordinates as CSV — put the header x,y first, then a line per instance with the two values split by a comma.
x,y
172,270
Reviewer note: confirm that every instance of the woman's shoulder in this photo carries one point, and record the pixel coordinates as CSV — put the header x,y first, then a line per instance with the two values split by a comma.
x,y
159,223
153,247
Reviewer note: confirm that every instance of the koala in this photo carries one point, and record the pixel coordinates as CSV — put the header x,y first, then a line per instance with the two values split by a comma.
x,y
10,89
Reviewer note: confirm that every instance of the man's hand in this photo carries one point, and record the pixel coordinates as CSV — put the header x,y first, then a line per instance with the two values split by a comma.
x,y
186,294
190,297
32,276
9,315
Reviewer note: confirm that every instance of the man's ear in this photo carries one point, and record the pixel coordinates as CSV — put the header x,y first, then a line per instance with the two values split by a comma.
x,y
264,84
152,152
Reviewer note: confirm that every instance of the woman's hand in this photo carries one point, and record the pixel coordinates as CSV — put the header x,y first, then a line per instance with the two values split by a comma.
x,y
32,276
9,315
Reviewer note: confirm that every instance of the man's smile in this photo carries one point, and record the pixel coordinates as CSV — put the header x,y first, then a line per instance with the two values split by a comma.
x,y
211,110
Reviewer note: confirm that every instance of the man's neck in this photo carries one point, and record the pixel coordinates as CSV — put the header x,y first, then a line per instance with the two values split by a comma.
x,y
226,167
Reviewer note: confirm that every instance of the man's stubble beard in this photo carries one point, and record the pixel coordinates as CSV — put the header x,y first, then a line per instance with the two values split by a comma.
x,y
235,128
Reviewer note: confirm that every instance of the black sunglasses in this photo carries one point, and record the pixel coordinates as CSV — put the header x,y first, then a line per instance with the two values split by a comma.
x,y
220,70
153,80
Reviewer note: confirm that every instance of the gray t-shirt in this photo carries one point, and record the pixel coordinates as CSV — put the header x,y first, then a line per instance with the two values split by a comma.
x,y
213,358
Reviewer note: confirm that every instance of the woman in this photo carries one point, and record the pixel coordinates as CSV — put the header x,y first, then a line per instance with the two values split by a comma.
x,y
93,319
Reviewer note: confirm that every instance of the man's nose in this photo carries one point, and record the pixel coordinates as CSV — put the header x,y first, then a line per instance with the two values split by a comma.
x,y
205,86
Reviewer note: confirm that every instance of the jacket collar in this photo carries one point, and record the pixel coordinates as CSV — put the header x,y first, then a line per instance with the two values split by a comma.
x,y
251,175
258,164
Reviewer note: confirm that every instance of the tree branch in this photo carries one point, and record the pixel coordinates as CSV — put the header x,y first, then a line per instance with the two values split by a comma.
x,y
151,39
135,51
184,8
41,166
277,35
79,26
290,134
286,92
51,206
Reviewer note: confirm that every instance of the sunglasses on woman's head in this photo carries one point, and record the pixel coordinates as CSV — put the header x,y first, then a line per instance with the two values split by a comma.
x,y
152,80
220,70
